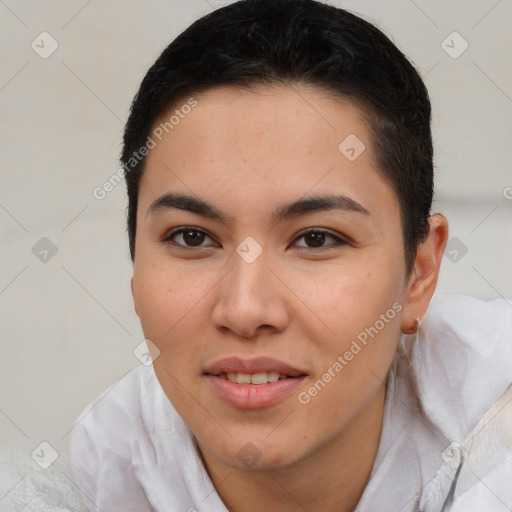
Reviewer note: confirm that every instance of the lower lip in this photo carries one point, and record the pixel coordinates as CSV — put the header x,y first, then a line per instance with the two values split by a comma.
x,y
253,396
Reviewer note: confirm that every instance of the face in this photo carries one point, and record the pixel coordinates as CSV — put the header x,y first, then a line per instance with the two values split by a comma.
x,y
269,271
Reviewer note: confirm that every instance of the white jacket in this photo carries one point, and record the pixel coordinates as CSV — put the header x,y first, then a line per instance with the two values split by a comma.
x,y
446,443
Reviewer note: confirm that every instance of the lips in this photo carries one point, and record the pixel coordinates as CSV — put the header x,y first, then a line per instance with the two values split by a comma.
x,y
254,383
253,366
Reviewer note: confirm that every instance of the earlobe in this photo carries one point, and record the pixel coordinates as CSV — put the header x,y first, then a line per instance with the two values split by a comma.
x,y
423,279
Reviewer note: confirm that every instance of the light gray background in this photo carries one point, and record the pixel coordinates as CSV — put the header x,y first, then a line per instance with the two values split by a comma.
x,y
68,325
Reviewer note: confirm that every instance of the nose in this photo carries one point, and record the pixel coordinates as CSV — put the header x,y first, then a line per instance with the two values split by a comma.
x,y
250,299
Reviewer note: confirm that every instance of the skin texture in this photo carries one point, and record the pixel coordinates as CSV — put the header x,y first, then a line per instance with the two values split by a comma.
x,y
247,153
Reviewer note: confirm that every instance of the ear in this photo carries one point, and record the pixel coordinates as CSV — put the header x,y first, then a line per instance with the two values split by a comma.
x,y
133,295
425,272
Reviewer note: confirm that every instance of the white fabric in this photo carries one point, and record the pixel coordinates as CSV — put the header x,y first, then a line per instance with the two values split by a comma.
x,y
131,451
26,487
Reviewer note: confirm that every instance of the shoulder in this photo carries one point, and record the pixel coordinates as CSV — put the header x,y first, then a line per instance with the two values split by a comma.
x,y
118,407
462,359
109,437
469,337
470,318
130,443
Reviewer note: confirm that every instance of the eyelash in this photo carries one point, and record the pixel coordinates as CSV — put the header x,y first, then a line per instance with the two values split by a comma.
x,y
169,238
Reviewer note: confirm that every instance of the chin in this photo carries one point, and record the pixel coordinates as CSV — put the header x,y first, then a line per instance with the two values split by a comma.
x,y
251,454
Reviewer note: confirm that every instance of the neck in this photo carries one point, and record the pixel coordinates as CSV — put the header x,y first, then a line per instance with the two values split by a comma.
x,y
331,480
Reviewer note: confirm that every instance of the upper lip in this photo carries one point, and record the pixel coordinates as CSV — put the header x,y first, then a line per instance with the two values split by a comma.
x,y
257,365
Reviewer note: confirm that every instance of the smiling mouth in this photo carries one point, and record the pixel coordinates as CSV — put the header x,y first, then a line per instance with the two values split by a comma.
x,y
251,384
254,378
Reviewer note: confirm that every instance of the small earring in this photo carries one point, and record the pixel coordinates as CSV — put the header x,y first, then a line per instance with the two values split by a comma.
x,y
415,329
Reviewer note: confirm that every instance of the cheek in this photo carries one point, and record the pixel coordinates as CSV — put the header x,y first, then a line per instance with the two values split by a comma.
x,y
162,297
351,362
170,311
151,301
360,310
351,297
174,312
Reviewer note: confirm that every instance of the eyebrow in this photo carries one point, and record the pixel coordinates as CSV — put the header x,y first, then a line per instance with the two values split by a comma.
x,y
295,209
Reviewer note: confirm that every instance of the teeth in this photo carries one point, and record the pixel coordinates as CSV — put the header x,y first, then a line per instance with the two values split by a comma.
x,y
274,376
259,378
243,378
254,378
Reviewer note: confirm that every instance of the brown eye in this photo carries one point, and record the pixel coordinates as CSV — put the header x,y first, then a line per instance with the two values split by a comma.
x,y
316,238
186,238
193,238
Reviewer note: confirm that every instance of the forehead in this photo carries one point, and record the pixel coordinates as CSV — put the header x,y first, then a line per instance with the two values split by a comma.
x,y
267,141
245,118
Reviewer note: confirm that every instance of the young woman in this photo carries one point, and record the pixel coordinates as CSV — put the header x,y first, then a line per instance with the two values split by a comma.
x,y
278,159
